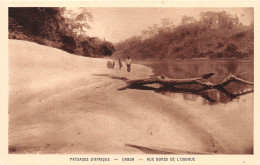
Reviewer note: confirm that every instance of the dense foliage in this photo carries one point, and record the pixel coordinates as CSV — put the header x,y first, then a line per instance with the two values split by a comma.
x,y
58,28
214,35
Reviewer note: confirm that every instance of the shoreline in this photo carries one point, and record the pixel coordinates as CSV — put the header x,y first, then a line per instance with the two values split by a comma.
x,y
58,105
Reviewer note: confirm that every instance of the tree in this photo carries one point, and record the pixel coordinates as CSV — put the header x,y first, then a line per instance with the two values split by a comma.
x,y
187,20
78,22
44,22
57,27
167,24
219,19
144,34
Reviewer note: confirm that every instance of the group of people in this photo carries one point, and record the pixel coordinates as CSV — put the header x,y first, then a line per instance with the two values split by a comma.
x,y
111,65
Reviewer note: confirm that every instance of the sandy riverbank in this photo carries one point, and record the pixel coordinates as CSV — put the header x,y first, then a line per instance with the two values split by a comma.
x,y
58,105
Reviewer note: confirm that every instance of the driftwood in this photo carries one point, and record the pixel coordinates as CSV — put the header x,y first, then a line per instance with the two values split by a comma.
x,y
203,81
173,85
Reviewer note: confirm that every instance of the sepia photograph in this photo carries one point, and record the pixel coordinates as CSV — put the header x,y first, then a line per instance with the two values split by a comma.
x,y
131,80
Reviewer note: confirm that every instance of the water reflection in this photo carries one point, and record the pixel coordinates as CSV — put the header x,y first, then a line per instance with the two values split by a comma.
x,y
196,68
215,96
210,96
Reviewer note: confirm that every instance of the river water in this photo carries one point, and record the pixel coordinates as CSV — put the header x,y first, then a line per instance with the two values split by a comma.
x,y
197,67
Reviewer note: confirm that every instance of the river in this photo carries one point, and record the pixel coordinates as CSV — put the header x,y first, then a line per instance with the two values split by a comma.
x,y
197,67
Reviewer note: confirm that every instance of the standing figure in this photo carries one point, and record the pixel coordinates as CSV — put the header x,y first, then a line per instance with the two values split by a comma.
x,y
120,64
113,64
128,63
108,64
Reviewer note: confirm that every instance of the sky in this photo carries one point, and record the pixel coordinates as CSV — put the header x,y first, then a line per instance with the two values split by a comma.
x,y
117,24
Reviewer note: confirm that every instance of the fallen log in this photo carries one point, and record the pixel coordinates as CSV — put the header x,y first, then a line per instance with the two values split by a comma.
x,y
173,85
203,81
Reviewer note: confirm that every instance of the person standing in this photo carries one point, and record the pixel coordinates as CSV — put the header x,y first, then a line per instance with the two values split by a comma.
x,y
128,63
120,64
113,65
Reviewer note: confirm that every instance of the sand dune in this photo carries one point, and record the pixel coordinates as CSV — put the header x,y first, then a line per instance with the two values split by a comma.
x,y
58,104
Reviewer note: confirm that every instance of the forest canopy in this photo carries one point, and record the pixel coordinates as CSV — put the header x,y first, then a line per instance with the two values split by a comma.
x,y
59,28
213,35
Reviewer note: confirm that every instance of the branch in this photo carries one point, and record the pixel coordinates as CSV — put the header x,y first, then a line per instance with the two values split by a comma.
x,y
234,78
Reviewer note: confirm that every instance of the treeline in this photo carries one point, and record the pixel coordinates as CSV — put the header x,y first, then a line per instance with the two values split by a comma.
x,y
59,28
214,35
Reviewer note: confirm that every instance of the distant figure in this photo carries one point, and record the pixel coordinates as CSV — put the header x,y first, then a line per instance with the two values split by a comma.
x,y
113,65
108,64
120,64
128,63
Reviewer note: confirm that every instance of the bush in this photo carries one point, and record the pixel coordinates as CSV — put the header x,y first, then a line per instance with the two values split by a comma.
x,y
68,43
86,48
231,48
107,49
202,54
177,49
219,45
180,56
212,56
241,34
219,54
209,53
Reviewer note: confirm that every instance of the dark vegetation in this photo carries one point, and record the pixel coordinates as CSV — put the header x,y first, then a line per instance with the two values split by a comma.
x,y
215,35
59,28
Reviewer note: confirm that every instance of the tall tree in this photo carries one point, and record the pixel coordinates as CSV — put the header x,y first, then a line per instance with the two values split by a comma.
x,y
219,19
187,20
78,21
